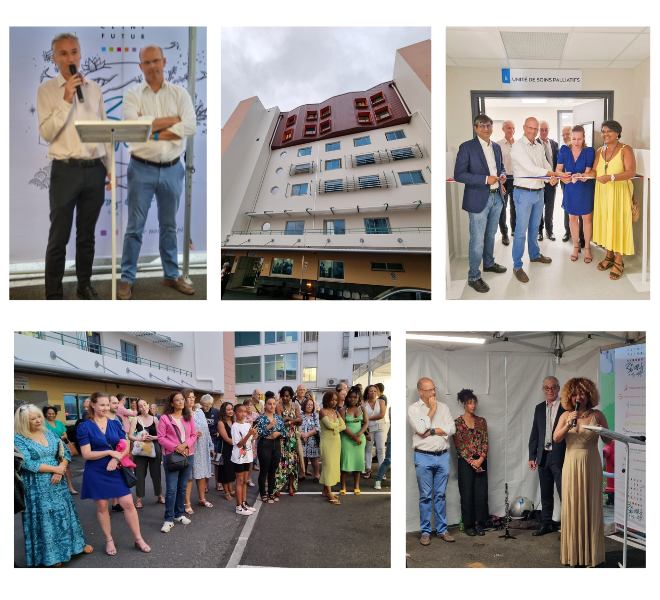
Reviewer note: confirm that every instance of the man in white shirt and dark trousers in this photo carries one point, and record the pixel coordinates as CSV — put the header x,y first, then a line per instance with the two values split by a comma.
x,y
529,161
78,171
479,166
551,149
506,143
156,167
432,426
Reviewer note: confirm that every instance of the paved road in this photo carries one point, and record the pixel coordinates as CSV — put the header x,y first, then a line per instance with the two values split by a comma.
x,y
356,533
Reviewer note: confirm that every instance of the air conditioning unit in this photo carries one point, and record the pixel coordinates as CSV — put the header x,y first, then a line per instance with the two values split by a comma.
x,y
333,382
343,381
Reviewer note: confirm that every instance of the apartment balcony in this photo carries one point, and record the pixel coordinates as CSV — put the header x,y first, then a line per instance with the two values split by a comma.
x,y
356,184
379,157
64,351
379,238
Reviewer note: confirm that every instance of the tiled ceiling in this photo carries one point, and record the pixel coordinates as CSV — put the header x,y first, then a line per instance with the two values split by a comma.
x,y
548,47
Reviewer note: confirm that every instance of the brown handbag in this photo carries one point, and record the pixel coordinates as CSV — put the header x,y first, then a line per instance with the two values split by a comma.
x,y
72,449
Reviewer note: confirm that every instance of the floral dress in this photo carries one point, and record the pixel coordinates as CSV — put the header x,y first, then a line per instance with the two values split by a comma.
x,y
202,468
311,446
289,461
51,526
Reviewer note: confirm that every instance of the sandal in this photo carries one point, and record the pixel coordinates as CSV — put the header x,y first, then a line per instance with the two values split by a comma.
x,y
613,274
188,510
138,504
606,263
204,502
333,501
574,257
113,551
271,499
264,498
357,492
342,492
88,549
588,259
250,483
219,488
227,496
367,474
161,500
144,548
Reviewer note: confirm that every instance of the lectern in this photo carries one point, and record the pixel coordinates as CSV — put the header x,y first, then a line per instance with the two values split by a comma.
x,y
99,132
627,440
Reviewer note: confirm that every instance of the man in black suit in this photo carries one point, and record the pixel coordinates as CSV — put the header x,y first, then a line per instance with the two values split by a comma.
x,y
545,453
551,149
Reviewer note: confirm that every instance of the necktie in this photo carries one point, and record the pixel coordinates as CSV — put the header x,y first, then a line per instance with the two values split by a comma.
x,y
548,425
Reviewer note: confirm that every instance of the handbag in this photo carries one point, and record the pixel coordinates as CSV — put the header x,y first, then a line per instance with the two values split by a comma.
x,y
130,479
142,448
175,461
72,449
218,460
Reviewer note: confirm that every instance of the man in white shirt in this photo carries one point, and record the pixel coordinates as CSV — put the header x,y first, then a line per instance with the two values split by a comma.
x,y
529,161
78,171
432,426
156,168
551,149
566,136
506,143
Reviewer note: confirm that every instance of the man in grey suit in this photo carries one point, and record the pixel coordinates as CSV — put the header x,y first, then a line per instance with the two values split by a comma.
x,y
551,149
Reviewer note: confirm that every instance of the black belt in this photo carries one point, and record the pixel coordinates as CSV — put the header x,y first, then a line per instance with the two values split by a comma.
x,y
79,162
527,189
431,453
494,192
164,165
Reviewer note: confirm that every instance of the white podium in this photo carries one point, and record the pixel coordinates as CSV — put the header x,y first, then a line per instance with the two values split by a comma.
x,y
627,440
99,132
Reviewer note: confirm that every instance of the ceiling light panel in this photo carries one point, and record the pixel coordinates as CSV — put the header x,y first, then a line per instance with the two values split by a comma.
x,y
540,46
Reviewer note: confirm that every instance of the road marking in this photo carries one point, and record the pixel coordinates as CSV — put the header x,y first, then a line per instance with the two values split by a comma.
x,y
347,494
630,543
239,548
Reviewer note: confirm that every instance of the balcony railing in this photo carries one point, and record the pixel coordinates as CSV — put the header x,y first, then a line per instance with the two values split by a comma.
x,y
69,340
359,230
383,156
302,168
353,184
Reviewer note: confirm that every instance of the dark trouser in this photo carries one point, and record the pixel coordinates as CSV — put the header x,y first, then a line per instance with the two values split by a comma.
x,y
473,488
142,463
549,193
269,453
73,186
549,474
508,198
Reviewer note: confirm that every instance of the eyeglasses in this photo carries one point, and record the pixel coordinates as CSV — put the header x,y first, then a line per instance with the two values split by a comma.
x,y
149,63
430,390
485,126
550,389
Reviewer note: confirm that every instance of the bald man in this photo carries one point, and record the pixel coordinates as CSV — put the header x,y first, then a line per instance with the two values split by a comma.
x,y
432,426
155,168
566,136
529,161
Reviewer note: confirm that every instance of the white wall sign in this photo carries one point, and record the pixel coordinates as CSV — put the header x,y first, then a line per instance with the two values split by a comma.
x,y
542,79
304,265
21,382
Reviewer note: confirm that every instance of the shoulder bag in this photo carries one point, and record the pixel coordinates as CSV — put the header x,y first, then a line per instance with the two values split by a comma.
x,y
175,461
142,448
218,460
130,478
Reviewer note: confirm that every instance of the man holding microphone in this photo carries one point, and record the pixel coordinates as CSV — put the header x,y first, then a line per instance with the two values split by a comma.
x,y
432,426
78,171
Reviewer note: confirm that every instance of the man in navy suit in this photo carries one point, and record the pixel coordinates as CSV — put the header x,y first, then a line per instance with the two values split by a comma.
x,y
546,454
551,149
479,166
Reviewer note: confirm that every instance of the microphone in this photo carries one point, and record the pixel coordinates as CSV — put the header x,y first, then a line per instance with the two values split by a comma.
x,y
577,409
73,71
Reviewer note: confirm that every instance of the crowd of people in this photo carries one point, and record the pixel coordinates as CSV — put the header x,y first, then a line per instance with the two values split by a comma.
x,y
560,450
281,437
597,194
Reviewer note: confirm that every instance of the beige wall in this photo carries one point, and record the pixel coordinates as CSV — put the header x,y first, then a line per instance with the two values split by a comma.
x,y
230,366
412,75
641,85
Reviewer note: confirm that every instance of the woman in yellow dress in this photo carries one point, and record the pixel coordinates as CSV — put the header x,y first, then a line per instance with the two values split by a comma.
x,y
331,427
614,168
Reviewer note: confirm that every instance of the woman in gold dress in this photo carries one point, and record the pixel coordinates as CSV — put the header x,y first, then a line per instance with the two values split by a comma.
x,y
582,527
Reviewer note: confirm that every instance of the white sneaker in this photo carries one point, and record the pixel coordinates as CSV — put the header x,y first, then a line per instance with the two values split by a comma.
x,y
183,520
377,485
245,506
167,526
241,511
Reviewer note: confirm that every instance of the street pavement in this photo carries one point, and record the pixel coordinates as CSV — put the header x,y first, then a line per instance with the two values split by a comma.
x,y
353,534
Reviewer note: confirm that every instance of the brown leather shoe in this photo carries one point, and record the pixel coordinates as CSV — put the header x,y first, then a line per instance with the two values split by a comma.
x,y
425,540
180,285
542,259
521,275
124,290
445,536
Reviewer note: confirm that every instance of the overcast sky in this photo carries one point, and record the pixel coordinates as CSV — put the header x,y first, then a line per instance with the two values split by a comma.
x,y
287,67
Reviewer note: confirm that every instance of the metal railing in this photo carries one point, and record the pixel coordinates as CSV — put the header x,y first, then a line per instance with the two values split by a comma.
x,y
353,184
302,168
354,230
86,346
383,156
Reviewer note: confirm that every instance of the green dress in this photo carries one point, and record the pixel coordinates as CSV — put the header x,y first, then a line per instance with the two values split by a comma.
x,y
330,450
59,430
352,455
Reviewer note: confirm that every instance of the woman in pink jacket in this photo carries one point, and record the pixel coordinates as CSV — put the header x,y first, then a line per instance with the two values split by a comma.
x,y
176,434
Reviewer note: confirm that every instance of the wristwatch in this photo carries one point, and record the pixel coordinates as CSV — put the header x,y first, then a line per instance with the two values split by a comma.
x,y
432,431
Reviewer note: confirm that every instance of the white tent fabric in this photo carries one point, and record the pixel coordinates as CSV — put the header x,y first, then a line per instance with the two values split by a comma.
x,y
484,373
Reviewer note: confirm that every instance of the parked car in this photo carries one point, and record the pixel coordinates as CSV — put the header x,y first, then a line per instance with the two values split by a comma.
x,y
404,294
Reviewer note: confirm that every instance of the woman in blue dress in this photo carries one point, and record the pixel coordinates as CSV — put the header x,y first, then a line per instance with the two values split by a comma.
x,y
98,437
52,530
578,201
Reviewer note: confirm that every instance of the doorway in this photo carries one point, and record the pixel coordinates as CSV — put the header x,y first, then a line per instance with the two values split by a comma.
x,y
248,271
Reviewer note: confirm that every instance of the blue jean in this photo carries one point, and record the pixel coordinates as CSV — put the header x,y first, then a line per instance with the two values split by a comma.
x,y
386,463
145,182
483,227
432,474
529,210
175,490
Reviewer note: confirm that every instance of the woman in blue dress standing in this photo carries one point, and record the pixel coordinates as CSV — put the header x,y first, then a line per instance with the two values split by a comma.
x,y
52,530
98,437
578,201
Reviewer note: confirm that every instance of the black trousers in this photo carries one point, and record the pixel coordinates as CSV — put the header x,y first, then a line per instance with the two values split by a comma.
x,y
549,475
142,463
473,488
82,188
269,453
549,193
508,197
